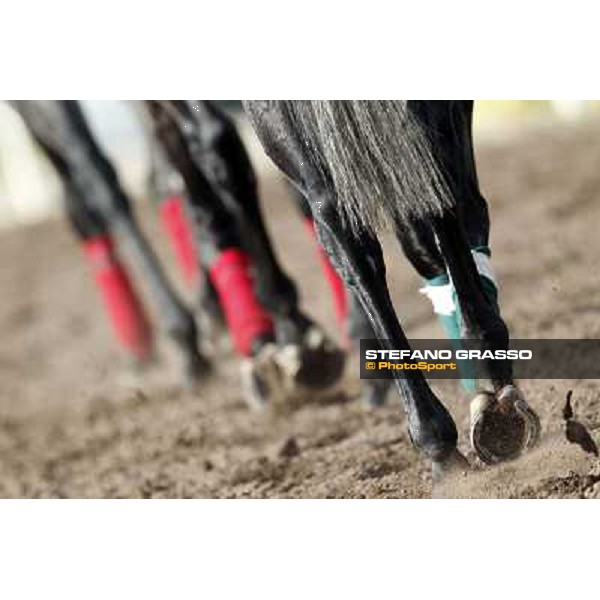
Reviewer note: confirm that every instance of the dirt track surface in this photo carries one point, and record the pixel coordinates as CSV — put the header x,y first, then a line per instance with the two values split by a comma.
x,y
74,422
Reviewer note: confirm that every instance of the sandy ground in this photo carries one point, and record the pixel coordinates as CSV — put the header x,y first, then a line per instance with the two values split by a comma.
x,y
75,422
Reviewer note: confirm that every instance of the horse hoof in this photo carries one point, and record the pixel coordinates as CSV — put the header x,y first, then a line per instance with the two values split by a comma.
x,y
316,363
503,426
263,382
374,393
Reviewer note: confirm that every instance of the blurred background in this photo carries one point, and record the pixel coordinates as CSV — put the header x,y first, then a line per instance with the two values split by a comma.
x,y
30,192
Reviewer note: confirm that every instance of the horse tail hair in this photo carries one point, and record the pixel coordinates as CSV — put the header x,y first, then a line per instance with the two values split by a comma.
x,y
376,156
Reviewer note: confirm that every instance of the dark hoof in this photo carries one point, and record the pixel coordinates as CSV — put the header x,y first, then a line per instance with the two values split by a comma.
x,y
454,463
374,392
502,426
263,382
314,364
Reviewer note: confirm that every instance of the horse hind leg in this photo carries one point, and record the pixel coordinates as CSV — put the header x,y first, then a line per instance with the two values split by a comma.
x,y
463,241
166,190
306,353
217,237
123,305
175,319
350,315
374,392
95,179
359,260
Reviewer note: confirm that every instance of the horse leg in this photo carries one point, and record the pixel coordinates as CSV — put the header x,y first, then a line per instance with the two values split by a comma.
x,y
463,238
374,391
308,357
229,266
359,260
123,306
94,178
339,294
349,312
176,320
167,190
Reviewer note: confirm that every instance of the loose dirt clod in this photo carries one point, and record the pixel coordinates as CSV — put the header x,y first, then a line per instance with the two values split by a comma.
x,y
577,432
289,449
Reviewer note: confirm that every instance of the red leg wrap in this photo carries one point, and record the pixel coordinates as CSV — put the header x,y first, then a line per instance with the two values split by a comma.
x,y
124,308
246,318
178,230
336,285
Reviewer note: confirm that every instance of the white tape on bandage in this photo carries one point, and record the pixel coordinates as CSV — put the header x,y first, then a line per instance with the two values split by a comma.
x,y
442,298
484,265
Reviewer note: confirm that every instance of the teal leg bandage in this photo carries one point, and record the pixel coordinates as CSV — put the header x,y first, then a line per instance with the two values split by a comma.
x,y
442,295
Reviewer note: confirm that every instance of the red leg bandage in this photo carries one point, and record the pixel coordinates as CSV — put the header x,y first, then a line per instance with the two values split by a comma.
x,y
124,308
336,285
246,318
179,232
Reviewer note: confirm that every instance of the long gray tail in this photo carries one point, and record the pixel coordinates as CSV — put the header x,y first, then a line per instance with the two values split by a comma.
x,y
377,158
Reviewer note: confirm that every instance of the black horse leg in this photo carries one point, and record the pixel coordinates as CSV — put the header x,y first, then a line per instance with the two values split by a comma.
x,y
175,318
167,190
314,361
339,294
218,153
464,229
349,311
359,259
374,391
462,236
218,239
63,128
123,305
